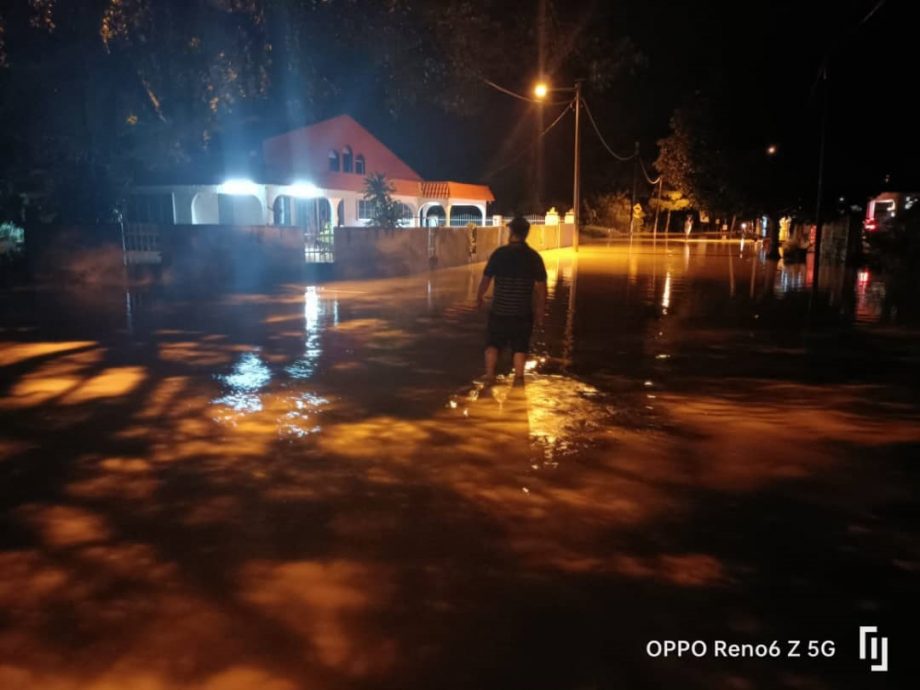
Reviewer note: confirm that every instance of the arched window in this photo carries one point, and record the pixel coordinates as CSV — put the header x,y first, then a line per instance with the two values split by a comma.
x,y
334,161
359,164
347,158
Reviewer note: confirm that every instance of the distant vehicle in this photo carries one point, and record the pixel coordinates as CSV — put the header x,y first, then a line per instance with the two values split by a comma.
x,y
886,207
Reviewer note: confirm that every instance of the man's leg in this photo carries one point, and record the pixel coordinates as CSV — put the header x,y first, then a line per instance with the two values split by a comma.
x,y
491,362
520,346
520,358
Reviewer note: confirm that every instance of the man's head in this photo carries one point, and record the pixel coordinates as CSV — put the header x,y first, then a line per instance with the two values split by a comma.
x,y
519,228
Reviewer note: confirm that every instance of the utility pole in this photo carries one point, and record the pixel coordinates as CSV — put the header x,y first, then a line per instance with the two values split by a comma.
x,y
818,219
576,192
632,199
540,91
658,205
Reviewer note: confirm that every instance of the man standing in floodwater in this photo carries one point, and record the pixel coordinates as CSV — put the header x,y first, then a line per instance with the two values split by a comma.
x,y
518,302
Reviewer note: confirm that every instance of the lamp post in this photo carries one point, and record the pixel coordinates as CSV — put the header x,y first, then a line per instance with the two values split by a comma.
x,y
541,90
773,255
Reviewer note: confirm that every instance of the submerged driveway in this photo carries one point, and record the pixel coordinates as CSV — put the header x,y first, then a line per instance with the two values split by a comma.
x,y
309,489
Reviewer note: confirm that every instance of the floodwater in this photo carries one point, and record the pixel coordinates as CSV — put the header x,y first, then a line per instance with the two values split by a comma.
x,y
309,488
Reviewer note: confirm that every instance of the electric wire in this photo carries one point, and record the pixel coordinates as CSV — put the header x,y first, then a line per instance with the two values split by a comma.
x,y
646,175
525,151
601,136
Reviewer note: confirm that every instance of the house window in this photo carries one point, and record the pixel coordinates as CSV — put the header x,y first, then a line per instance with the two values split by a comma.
x,y
151,208
347,159
334,161
365,209
359,164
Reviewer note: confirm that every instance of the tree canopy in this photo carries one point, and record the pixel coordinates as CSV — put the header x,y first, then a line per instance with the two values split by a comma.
x,y
95,92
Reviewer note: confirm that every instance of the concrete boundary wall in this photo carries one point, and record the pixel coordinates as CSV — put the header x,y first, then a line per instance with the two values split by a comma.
x,y
252,257
376,253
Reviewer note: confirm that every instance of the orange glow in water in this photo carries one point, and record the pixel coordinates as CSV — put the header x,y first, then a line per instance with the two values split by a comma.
x,y
314,489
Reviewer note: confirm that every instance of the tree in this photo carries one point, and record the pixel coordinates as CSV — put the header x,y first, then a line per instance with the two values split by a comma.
x,y
701,162
385,211
609,210
672,200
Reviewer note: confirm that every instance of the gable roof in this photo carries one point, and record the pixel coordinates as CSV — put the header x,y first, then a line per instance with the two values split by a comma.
x,y
305,152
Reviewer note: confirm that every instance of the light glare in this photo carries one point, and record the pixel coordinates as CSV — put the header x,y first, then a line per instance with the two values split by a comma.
x,y
239,187
304,190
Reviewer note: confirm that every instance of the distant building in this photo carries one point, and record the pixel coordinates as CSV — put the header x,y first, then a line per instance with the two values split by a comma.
x,y
313,177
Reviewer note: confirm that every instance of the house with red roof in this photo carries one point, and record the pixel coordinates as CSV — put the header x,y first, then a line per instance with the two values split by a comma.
x,y
314,177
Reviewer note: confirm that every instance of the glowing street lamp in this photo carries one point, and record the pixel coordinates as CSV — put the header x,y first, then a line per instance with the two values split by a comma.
x,y
771,150
540,90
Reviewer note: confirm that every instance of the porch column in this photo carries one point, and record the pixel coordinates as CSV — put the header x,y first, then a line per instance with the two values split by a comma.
x,y
334,211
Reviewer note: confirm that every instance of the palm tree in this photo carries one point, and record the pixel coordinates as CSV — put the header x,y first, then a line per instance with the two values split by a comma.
x,y
385,212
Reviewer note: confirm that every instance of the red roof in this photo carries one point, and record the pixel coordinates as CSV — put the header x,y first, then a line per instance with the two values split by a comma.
x,y
303,154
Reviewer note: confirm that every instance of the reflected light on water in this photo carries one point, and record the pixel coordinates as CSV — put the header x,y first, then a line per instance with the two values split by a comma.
x,y
870,297
314,313
666,295
562,414
184,541
301,421
250,374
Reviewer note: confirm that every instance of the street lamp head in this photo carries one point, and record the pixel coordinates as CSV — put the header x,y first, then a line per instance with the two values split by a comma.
x,y
541,89
771,150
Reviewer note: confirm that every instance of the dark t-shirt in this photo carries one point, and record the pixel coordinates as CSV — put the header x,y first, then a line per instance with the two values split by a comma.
x,y
515,268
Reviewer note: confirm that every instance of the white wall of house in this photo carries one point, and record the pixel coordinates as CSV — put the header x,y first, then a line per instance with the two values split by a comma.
x,y
202,205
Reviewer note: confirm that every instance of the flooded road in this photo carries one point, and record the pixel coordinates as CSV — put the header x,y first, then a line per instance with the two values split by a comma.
x,y
311,488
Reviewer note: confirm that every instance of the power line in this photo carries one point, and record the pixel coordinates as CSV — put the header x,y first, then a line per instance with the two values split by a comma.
x,y
525,151
601,136
646,175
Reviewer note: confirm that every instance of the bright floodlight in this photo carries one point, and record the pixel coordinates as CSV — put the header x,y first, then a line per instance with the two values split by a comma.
x,y
304,190
239,187
540,90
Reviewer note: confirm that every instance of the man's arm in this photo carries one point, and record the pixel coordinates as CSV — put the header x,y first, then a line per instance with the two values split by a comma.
x,y
539,290
483,289
539,302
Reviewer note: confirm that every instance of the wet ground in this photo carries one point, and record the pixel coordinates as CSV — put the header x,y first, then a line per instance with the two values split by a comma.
x,y
309,488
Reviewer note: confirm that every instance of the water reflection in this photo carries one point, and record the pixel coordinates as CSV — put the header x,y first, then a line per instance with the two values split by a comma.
x,y
870,297
341,517
248,396
249,376
558,415
314,313
666,294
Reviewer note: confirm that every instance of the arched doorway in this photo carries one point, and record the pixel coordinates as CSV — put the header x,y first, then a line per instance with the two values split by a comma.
x,y
239,209
432,215
204,209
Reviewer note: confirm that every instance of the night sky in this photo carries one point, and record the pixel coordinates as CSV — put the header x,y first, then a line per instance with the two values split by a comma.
x,y
759,60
